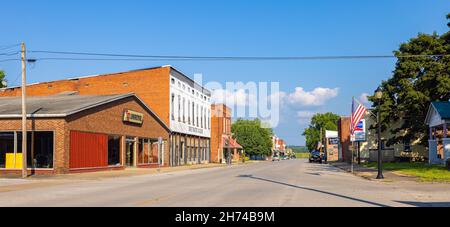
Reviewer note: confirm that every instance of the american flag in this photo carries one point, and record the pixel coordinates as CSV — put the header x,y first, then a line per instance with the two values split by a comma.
x,y
358,112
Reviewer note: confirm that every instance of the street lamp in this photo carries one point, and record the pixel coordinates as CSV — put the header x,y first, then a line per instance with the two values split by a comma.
x,y
378,97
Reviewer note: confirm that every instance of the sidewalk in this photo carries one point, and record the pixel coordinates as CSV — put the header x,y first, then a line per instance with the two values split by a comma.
x,y
371,173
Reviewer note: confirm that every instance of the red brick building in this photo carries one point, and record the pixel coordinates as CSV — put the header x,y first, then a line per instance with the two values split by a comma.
x,y
76,133
221,136
345,153
278,146
181,104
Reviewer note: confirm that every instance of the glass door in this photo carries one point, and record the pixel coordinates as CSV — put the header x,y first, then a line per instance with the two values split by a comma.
x,y
129,152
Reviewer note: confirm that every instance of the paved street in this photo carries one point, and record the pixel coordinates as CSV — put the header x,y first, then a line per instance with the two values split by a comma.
x,y
281,184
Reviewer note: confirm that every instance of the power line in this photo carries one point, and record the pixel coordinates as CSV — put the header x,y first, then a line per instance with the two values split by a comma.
x,y
223,58
9,53
15,80
160,59
12,59
108,59
6,47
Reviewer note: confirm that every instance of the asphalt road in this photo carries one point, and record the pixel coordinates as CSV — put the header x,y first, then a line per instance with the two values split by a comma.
x,y
293,183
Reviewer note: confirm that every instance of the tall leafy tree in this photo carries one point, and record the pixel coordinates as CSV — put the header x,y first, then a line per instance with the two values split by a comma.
x,y
326,121
255,139
416,82
2,79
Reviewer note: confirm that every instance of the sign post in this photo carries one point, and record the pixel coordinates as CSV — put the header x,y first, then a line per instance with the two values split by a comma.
x,y
360,135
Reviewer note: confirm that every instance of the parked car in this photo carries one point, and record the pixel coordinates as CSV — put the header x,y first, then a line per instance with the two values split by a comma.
x,y
315,156
275,158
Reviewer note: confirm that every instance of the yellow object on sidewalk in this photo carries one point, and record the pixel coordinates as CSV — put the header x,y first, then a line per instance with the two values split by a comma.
x,y
10,161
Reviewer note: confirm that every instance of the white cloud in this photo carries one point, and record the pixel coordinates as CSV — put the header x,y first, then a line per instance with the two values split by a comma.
x,y
278,97
305,114
304,117
239,98
364,98
316,97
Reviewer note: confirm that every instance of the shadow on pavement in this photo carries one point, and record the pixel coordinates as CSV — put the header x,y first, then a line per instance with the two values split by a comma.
x,y
314,174
314,190
324,168
426,204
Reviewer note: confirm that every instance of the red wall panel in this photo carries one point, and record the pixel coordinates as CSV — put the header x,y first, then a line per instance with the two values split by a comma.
x,y
88,150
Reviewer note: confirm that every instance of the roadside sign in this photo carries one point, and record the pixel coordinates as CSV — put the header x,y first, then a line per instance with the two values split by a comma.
x,y
360,134
334,141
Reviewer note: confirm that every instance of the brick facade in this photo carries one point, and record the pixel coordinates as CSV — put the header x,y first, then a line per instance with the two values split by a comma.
x,y
344,139
220,129
151,85
106,119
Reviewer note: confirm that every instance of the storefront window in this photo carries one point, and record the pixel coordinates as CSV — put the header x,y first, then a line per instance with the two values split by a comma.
x,y
6,146
154,152
148,151
114,150
141,152
43,149
40,147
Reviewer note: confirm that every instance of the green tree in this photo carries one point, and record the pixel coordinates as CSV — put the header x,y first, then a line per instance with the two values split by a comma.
x,y
255,139
416,82
327,121
2,79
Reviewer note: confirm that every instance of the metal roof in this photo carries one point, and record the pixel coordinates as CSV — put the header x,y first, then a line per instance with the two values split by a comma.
x,y
62,105
56,105
443,108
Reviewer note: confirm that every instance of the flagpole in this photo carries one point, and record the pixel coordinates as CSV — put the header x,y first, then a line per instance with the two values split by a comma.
x,y
358,112
351,134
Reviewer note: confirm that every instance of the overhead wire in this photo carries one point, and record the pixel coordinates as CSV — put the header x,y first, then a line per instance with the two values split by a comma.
x,y
134,57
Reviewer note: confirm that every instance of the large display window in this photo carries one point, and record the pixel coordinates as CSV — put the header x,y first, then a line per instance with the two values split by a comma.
x,y
148,151
6,147
40,149
114,150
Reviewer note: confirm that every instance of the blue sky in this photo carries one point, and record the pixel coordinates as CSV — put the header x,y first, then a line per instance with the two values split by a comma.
x,y
228,28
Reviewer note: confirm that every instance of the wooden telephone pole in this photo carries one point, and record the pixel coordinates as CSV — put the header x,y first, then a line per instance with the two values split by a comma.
x,y
24,115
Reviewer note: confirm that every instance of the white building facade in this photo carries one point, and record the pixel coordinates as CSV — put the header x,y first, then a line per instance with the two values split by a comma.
x,y
190,121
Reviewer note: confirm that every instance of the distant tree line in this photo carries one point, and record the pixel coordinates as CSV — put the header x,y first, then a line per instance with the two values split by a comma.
x,y
256,139
319,124
299,149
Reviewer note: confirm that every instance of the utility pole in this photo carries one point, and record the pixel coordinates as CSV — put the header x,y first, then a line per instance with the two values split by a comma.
x,y
24,115
359,153
380,159
379,96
